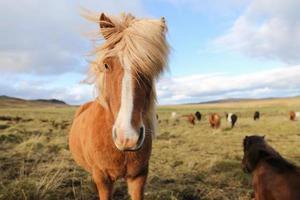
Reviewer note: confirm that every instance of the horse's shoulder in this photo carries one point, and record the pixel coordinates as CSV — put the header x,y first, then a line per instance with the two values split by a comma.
x,y
83,107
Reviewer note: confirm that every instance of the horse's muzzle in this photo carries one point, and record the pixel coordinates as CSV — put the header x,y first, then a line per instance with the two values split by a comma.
x,y
130,140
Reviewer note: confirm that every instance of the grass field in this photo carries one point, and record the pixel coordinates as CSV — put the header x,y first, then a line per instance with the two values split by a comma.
x,y
187,163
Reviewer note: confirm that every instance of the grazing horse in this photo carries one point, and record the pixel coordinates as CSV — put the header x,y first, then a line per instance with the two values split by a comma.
x,y
231,118
198,115
214,120
191,119
294,115
111,137
274,178
256,115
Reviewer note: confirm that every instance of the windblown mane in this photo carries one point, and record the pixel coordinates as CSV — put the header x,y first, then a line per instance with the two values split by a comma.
x,y
140,45
258,150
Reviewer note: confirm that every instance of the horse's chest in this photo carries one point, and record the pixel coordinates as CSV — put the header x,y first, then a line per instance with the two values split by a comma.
x,y
104,154
120,164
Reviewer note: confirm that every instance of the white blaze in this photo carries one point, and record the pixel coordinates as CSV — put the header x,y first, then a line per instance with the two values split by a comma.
x,y
123,120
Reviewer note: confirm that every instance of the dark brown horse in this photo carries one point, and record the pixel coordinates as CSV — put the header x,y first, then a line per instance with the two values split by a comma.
x,y
111,137
256,115
198,115
214,120
274,178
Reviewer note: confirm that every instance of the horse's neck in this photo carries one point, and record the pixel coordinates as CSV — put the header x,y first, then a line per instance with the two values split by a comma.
x,y
261,170
103,111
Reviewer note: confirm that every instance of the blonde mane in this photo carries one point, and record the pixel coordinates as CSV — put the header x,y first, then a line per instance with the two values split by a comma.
x,y
140,45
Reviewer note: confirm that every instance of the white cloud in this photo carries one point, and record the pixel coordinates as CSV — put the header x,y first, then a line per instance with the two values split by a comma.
x,y
268,29
278,82
44,37
272,83
73,94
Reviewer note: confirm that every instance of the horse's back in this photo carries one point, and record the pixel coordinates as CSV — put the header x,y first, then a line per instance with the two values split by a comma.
x,y
83,107
295,183
270,183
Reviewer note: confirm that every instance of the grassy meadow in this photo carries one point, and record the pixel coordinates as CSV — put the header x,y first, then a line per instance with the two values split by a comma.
x,y
187,162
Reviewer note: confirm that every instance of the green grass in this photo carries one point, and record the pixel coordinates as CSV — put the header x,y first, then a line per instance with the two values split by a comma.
x,y
187,163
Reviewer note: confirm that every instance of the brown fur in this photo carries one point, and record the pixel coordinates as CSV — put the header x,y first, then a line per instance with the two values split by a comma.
x,y
90,139
292,116
190,118
214,120
274,178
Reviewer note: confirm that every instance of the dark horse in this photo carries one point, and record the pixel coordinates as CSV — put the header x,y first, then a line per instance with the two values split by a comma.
x,y
274,178
256,115
198,115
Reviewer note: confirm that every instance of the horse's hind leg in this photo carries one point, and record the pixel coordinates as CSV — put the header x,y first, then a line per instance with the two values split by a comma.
x,y
104,184
136,186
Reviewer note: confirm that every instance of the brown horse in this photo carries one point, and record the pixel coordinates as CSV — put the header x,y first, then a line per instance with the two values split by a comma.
x,y
111,137
214,120
190,117
274,178
294,115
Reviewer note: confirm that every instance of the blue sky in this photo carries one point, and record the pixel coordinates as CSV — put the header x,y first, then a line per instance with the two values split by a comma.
x,y
220,49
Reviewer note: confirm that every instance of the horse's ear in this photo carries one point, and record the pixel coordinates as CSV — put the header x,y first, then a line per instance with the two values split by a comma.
x,y
105,24
246,138
163,24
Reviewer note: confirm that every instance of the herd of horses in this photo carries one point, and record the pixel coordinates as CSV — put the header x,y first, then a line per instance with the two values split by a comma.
x,y
111,137
214,119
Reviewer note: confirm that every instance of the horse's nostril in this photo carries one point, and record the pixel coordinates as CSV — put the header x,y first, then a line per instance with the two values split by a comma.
x,y
141,130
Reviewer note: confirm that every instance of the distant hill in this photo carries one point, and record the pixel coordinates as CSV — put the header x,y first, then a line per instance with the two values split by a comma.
x,y
7,101
52,101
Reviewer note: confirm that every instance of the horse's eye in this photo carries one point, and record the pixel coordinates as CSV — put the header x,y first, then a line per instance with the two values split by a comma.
x,y
106,66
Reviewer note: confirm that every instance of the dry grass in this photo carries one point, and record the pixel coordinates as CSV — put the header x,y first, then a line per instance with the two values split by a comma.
x,y
188,163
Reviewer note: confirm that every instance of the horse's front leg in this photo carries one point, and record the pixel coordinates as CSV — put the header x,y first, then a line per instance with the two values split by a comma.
x,y
136,186
104,184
